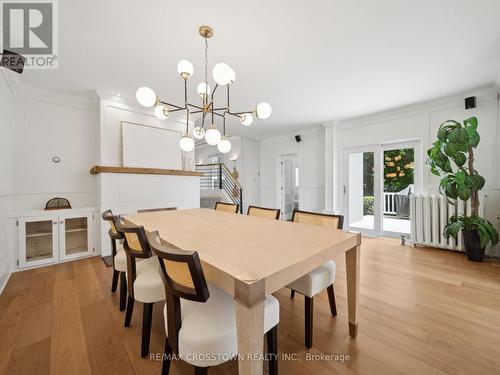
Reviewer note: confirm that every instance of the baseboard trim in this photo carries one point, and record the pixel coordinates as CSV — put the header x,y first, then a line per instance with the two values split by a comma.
x,y
4,284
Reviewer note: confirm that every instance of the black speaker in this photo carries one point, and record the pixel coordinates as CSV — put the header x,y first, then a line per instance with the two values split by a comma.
x,y
298,138
470,102
12,61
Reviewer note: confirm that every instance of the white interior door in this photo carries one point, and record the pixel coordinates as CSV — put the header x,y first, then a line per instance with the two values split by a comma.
x,y
362,190
287,195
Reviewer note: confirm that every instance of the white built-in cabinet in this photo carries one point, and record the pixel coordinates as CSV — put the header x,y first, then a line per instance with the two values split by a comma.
x,y
53,236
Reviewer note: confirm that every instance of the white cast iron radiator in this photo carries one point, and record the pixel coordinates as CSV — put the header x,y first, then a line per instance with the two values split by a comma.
x,y
429,215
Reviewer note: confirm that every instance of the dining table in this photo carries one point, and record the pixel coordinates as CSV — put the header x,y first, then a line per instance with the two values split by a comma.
x,y
250,257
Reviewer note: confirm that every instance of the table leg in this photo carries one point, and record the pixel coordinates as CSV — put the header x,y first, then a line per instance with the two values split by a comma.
x,y
352,270
250,326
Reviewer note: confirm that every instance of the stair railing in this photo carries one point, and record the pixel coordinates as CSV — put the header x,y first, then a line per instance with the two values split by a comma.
x,y
218,176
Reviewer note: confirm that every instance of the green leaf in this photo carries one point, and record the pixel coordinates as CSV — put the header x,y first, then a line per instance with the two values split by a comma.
x,y
452,229
474,137
472,121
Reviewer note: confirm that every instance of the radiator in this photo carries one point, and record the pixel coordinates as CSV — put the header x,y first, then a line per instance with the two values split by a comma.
x,y
429,215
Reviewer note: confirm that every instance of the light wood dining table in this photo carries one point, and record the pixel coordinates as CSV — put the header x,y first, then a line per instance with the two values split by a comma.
x,y
250,257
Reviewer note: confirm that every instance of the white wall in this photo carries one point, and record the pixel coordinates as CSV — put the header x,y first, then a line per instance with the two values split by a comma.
x,y
311,157
112,113
420,122
54,124
7,126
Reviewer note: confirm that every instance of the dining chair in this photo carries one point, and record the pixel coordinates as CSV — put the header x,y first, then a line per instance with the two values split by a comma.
x,y
271,213
320,278
228,207
143,277
118,257
200,318
145,210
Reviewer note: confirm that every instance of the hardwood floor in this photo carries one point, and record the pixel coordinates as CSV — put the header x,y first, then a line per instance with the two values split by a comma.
x,y
420,311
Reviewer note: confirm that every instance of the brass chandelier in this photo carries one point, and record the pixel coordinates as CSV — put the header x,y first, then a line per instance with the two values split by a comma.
x,y
223,75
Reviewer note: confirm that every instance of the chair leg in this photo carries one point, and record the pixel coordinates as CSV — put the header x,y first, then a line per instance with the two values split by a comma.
x,y
272,350
130,309
114,283
292,293
331,298
147,315
123,291
308,309
165,368
200,370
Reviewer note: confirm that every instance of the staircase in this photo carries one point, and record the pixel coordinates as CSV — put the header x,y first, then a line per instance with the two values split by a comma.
x,y
217,184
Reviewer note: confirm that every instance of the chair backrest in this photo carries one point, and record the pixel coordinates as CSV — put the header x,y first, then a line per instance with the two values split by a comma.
x,y
113,232
271,213
156,209
182,277
228,207
314,218
136,243
181,270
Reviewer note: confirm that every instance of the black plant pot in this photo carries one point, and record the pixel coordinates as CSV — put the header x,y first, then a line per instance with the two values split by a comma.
x,y
472,245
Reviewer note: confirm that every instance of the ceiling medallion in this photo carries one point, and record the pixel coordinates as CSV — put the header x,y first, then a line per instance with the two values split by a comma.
x,y
223,75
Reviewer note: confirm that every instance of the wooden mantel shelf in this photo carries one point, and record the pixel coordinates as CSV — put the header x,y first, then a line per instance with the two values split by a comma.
x,y
96,169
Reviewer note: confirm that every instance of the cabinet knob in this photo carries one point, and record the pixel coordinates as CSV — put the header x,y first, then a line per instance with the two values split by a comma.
x,y
61,222
55,222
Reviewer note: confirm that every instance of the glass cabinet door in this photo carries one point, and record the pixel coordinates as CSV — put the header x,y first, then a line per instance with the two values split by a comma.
x,y
75,235
38,241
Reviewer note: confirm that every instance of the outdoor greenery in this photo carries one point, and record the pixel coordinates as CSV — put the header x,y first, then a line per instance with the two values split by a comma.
x,y
452,158
368,205
398,169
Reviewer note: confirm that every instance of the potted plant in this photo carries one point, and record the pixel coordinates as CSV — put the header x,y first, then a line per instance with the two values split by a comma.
x,y
452,158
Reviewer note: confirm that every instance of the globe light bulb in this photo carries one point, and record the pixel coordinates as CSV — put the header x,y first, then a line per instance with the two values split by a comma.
x,y
223,74
185,69
212,135
203,89
161,112
146,96
186,143
246,119
198,132
263,110
224,145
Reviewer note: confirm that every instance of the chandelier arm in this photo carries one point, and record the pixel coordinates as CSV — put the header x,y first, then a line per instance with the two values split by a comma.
x,y
195,106
227,99
203,120
171,105
176,110
187,121
185,94
241,113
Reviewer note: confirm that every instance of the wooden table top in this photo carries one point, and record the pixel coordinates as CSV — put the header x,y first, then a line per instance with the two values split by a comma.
x,y
248,248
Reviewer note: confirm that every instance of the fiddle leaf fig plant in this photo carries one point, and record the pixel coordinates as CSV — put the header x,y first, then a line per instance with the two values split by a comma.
x,y
452,158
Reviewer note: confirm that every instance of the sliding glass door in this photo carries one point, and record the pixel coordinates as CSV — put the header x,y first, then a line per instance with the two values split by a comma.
x,y
378,180
362,190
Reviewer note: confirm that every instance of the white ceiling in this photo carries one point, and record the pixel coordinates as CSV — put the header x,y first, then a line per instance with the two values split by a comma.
x,y
313,61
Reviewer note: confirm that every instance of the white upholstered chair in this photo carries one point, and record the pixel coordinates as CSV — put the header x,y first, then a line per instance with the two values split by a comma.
x,y
320,278
119,258
200,318
144,282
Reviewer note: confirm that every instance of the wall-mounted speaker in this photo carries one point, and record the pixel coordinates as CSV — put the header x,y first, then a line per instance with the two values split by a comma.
x,y
470,102
12,61
298,138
